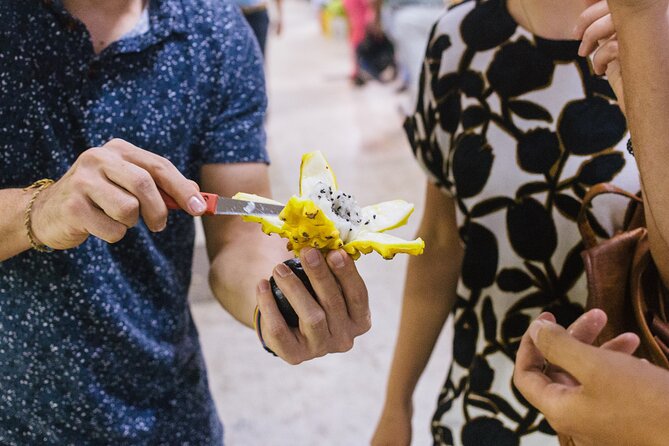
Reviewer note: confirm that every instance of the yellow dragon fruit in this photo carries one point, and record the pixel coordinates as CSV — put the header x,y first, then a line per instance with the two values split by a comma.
x,y
326,218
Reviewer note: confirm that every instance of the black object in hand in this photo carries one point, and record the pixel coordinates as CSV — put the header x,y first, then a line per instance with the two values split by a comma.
x,y
284,306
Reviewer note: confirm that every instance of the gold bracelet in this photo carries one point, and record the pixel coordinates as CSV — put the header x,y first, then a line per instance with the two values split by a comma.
x,y
37,187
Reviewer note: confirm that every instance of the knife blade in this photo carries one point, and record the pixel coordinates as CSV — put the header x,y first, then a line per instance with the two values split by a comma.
x,y
231,206
217,205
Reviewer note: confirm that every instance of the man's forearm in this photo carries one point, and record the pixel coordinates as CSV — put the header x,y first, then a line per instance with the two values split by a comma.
x,y
239,266
13,235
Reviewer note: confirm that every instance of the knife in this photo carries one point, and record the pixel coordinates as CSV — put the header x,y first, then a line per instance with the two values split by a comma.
x,y
217,205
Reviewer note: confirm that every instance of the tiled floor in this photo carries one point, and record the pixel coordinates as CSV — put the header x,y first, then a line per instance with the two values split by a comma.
x,y
335,400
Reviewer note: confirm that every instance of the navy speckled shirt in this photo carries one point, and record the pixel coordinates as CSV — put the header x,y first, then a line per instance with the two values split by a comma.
x,y
97,343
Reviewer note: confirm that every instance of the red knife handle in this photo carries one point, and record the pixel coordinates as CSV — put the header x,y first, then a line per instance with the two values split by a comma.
x,y
209,199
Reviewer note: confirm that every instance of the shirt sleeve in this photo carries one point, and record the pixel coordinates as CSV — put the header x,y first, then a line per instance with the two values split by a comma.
x,y
234,131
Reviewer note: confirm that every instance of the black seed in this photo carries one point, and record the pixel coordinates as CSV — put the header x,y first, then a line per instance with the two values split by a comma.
x,y
374,215
304,234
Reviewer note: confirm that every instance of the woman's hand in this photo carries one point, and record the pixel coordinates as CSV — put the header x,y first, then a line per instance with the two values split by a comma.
x,y
596,30
610,397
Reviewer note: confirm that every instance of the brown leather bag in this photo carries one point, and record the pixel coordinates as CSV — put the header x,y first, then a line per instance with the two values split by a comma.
x,y
624,282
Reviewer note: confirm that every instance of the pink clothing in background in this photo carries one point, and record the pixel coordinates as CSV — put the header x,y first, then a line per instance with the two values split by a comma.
x,y
360,14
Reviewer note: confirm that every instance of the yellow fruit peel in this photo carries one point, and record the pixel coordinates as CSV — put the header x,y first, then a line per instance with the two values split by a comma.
x,y
305,224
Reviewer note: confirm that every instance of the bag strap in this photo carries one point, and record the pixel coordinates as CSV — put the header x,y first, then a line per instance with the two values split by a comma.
x,y
584,226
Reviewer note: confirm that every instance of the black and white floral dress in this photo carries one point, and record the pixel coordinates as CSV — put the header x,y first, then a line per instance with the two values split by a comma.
x,y
515,128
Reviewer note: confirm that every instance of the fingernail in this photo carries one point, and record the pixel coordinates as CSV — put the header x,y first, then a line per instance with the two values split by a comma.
x,y
282,270
196,204
312,257
534,328
263,286
580,50
337,259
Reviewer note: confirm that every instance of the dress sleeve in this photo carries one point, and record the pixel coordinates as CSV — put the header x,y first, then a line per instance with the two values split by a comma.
x,y
431,146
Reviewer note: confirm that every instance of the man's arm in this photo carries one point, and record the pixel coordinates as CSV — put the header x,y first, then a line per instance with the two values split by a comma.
x,y
13,234
241,255
242,258
429,296
103,194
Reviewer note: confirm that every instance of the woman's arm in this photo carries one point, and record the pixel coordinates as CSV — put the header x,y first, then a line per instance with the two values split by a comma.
x,y
632,47
429,295
643,35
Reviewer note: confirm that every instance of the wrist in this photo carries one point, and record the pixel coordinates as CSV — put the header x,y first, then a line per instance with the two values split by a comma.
x,y
399,401
33,208
20,232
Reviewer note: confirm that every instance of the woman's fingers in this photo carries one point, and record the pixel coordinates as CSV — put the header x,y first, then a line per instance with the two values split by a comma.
x,y
563,350
585,329
600,30
529,374
590,16
588,326
606,53
623,343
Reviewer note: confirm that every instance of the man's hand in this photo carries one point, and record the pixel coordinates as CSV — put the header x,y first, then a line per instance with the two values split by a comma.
x,y
328,324
600,395
105,192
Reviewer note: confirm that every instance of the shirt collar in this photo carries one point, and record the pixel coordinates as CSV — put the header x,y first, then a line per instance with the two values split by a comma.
x,y
165,17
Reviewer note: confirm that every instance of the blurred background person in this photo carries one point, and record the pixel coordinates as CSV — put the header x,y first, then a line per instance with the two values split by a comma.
x,y
257,15
360,14
408,24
